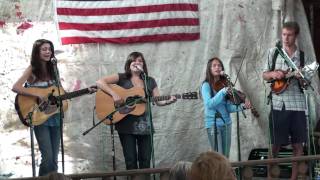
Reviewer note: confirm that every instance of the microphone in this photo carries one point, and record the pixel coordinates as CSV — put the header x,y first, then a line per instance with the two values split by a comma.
x,y
223,74
139,68
278,44
54,60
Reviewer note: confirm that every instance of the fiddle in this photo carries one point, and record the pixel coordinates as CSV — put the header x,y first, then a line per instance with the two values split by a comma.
x,y
234,96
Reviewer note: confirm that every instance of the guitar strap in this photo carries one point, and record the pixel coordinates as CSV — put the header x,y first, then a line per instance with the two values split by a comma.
x,y
274,59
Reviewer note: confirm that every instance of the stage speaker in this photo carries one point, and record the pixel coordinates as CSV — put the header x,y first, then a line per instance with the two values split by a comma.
x,y
262,170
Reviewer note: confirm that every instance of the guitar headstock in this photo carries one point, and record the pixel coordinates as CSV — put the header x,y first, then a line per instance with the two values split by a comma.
x,y
190,95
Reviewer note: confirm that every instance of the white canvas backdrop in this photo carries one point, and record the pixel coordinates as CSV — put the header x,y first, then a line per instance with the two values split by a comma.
x,y
235,31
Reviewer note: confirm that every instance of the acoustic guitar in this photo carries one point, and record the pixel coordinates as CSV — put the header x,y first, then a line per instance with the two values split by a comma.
x,y
134,102
30,110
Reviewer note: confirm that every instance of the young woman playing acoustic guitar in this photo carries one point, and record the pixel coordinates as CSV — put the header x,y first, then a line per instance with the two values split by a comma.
x,y
134,130
40,75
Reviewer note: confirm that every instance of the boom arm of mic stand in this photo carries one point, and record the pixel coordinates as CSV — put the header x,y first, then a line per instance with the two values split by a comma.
x,y
61,114
109,116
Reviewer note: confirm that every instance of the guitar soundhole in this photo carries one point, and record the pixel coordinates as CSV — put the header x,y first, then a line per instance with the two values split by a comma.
x,y
48,106
131,101
52,100
129,105
43,105
126,110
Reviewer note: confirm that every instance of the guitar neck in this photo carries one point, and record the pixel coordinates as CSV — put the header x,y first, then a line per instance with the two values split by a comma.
x,y
74,94
163,98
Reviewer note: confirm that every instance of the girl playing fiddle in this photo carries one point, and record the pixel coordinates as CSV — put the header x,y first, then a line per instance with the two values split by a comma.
x,y
217,107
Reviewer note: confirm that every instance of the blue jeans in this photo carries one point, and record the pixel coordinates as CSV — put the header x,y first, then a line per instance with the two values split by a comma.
x,y
223,139
130,143
48,138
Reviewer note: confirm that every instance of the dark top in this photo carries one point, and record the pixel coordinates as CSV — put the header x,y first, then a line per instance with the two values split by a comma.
x,y
132,124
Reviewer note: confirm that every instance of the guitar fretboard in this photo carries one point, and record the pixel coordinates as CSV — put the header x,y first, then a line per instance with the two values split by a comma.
x,y
163,98
74,94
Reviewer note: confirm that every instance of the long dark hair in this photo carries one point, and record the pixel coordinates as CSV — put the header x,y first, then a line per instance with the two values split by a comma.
x,y
131,57
36,61
209,77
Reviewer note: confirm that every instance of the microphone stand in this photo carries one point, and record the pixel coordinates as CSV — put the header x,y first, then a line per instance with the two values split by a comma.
x,y
312,165
216,148
108,117
216,116
237,101
145,79
238,142
60,104
32,144
271,135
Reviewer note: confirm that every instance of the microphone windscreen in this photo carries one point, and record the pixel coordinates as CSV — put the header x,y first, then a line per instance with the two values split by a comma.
x,y
278,44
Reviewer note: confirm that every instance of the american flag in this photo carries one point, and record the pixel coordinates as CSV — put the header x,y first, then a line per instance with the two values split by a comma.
x,y
127,21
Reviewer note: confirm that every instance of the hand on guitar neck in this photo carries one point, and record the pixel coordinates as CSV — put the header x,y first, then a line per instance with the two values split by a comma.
x,y
92,89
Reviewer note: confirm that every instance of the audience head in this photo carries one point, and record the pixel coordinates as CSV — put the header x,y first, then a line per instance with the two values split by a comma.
x,y
180,170
211,166
54,176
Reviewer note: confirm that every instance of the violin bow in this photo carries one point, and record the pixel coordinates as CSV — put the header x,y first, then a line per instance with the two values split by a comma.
x,y
235,81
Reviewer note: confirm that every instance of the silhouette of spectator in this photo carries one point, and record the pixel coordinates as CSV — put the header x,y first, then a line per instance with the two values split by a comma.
x,y
211,166
180,171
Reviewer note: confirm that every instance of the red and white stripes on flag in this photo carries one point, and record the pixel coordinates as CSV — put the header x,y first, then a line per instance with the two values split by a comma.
x,y
127,21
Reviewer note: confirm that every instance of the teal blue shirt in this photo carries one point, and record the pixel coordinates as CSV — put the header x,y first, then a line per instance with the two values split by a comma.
x,y
216,102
